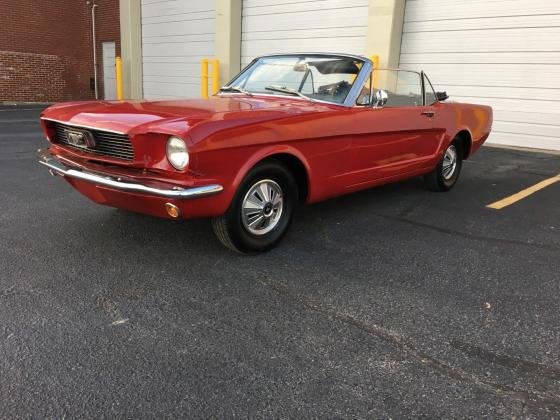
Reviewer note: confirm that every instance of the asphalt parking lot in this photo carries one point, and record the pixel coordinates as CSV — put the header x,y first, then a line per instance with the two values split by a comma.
x,y
393,302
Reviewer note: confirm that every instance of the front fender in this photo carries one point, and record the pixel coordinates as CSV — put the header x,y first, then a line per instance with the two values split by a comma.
x,y
269,152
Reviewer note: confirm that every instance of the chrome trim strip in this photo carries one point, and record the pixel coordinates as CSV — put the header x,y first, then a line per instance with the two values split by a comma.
x,y
57,167
363,75
84,126
319,54
422,88
431,87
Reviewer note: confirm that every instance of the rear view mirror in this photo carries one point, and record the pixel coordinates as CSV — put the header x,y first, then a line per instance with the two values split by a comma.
x,y
442,96
301,66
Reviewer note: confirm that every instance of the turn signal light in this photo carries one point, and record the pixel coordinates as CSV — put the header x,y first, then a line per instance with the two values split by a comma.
x,y
172,210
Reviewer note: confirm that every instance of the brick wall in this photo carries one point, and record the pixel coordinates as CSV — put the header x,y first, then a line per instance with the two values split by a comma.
x,y
46,48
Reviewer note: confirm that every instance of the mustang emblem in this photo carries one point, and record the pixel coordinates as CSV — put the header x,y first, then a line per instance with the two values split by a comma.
x,y
81,139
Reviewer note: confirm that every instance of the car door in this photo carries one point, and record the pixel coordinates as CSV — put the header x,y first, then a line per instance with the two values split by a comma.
x,y
395,138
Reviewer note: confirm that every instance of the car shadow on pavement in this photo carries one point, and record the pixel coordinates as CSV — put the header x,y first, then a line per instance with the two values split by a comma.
x,y
196,235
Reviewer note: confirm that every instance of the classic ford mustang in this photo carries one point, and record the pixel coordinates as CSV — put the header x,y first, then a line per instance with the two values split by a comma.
x,y
289,129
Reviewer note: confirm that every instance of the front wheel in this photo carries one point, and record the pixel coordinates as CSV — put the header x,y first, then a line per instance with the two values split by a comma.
x,y
261,210
447,171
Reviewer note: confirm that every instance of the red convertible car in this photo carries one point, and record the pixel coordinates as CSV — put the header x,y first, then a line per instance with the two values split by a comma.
x,y
289,129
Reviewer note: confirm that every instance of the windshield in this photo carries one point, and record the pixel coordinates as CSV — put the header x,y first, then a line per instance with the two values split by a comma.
x,y
323,78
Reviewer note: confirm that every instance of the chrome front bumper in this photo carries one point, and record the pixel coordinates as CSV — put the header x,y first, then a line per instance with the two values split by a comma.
x,y
58,167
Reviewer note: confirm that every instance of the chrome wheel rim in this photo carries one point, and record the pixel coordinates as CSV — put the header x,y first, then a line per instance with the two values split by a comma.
x,y
262,207
449,162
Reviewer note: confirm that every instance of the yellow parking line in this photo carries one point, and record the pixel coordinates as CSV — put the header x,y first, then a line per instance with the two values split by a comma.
x,y
523,193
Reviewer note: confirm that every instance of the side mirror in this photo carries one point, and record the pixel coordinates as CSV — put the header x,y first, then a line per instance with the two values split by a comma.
x,y
381,98
442,96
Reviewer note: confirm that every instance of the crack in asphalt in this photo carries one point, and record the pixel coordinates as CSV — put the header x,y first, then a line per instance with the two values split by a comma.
x,y
540,400
507,361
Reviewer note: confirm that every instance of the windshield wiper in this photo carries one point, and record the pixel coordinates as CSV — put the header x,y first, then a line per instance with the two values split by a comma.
x,y
235,89
289,91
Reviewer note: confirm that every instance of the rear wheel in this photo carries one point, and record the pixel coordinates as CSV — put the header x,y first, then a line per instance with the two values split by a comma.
x,y
447,171
261,210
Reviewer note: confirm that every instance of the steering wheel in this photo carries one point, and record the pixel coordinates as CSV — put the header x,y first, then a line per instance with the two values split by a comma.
x,y
334,88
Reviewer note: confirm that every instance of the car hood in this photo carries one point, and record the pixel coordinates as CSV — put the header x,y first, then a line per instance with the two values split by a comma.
x,y
177,116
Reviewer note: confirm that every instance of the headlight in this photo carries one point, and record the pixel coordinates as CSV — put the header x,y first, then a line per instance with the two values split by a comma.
x,y
177,153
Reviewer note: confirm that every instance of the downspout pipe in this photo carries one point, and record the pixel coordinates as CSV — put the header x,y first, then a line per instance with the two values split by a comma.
x,y
93,6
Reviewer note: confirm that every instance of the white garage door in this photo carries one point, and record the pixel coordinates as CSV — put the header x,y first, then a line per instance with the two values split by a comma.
x,y
504,53
176,34
277,26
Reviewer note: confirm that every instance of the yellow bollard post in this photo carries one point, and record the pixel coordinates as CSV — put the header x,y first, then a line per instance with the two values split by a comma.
x,y
118,77
204,78
375,61
215,76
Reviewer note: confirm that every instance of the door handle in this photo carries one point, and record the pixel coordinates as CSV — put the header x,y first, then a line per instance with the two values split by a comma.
x,y
429,114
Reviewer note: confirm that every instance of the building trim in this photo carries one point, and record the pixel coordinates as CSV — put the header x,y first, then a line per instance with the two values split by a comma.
x,y
227,44
131,48
384,34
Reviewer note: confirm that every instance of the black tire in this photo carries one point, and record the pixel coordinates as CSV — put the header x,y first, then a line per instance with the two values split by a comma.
x,y
232,228
440,179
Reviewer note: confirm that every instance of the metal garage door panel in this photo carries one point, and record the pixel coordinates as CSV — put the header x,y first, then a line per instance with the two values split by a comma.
x,y
439,10
530,117
175,36
175,69
291,26
504,57
262,47
263,7
504,53
484,40
320,33
523,140
201,27
503,22
539,130
505,75
179,49
175,10
513,93
551,107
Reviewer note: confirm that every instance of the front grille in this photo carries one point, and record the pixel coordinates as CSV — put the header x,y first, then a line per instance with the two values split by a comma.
x,y
107,144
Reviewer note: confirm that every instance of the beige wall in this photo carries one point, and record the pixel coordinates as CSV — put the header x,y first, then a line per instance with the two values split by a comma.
x,y
131,48
385,24
228,38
